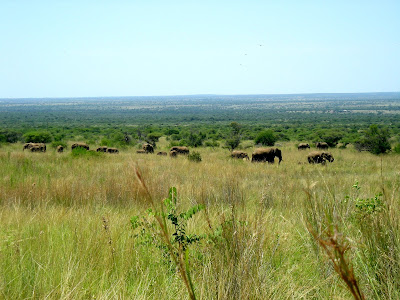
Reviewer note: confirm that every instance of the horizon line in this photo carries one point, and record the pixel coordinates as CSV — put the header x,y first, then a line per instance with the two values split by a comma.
x,y
186,95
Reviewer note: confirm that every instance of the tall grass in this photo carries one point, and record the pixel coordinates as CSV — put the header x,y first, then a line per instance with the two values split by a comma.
x,y
55,208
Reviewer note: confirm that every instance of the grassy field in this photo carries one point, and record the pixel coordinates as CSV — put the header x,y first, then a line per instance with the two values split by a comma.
x,y
65,229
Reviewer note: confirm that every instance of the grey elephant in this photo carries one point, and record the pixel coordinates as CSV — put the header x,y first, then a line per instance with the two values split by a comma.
x,y
102,149
148,148
26,146
41,147
80,145
239,154
320,157
303,146
321,145
112,150
180,150
35,149
266,155
173,153
60,149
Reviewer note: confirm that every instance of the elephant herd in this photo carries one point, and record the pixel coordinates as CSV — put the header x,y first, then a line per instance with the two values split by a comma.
x,y
319,145
35,147
259,155
269,154
173,152
40,147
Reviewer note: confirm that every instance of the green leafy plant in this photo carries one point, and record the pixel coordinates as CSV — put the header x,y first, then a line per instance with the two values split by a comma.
x,y
266,138
375,140
367,206
194,156
177,243
38,137
81,152
396,149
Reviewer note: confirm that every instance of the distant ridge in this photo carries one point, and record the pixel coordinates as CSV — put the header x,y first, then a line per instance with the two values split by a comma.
x,y
306,95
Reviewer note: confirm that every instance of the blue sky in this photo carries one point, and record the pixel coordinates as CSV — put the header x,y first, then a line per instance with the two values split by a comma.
x,y
133,48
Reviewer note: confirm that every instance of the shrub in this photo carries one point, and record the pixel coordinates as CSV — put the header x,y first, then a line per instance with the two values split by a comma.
x,y
213,144
396,149
56,143
375,140
266,138
9,136
232,143
81,152
153,137
194,156
37,137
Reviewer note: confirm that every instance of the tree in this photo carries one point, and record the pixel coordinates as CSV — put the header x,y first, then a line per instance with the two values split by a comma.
x,y
236,127
234,140
196,140
9,136
376,140
233,143
266,138
153,137
37,137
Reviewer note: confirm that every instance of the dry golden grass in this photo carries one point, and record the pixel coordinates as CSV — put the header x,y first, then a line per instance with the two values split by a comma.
x,y
53,243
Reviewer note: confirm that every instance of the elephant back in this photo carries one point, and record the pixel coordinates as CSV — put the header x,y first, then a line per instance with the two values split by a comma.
x,y
102,149
80,145
239,154
112,150
180,149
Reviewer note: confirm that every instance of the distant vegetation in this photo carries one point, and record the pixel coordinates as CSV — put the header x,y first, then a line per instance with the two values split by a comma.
x,y
202,121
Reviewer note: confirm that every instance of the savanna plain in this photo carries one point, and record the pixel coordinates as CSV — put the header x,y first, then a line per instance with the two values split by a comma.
x,y
85,225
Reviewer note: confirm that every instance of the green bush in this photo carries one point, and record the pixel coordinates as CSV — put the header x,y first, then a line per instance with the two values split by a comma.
x,y
375,140
212,144
57,143
82,152
154,137
396,149
266,138
232,143
37,137
9,136
194,156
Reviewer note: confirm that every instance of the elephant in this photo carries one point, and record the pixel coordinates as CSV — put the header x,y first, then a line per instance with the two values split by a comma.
x,y
173,153
180,150
102,149
80,145
148,148
141,152
26,146
240,154
266,155
321,145
60,149
112,150
319,157
35,148
303,146
42,147
162,153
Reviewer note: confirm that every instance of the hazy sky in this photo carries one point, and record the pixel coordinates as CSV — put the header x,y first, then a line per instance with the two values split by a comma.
x,y
131,48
